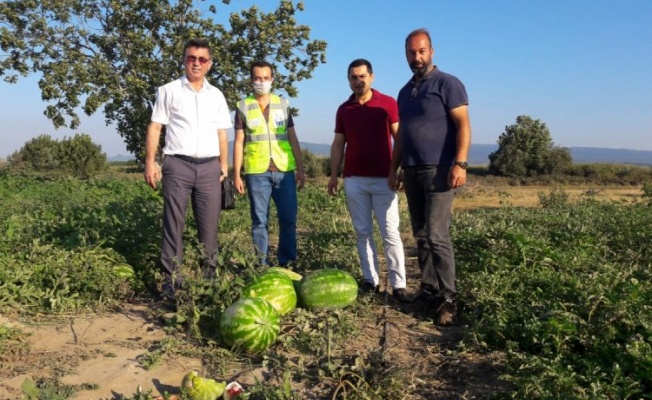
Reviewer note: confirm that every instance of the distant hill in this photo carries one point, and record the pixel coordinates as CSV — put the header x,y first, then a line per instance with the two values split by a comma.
x,y
120,157
479,154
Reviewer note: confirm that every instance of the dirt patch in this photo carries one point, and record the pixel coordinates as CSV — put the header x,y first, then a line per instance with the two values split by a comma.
x,y
105,352
100,351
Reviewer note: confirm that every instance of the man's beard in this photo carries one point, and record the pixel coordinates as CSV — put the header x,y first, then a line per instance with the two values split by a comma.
x,y
419,71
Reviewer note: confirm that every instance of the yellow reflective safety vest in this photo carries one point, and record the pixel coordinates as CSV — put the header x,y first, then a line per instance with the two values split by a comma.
x,y
265,140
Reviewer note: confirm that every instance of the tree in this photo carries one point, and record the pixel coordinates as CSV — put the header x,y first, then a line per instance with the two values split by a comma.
x,y
81,157
78,156
39,154
526,149
94,53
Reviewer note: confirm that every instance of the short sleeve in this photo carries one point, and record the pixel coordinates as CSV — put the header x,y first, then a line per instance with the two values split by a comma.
x,y
161,111
455,93
223,115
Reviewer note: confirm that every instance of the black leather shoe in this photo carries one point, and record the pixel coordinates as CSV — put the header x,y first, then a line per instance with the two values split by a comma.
x,y
368,287
402,296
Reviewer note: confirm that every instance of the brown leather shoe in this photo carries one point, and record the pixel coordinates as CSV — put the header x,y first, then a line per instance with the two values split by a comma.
x,y
446,313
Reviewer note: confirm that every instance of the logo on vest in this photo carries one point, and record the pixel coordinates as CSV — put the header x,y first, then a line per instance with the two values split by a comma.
x,y
279,119
253,123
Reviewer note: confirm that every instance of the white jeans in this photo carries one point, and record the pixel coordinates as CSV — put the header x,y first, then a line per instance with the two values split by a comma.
x,y
364,196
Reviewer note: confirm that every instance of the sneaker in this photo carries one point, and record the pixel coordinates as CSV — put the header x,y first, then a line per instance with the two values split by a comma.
x,y
446,313
401,295
369,287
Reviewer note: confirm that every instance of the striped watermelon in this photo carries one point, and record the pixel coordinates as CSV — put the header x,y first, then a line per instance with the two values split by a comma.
x,y
328,289
124,271
295,276
250,324
275,287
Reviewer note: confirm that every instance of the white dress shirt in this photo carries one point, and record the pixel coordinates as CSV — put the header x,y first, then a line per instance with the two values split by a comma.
x,y
191,117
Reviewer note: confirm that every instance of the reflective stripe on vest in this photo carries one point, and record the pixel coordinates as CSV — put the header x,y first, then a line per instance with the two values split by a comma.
x,y
265,140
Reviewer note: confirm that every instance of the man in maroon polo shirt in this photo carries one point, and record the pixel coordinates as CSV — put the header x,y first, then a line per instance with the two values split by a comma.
x,y
365,125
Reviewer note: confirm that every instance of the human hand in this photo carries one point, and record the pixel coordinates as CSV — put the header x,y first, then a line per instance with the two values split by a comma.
x,y
395,180
238,184
332,186
457,177
300,178
152,173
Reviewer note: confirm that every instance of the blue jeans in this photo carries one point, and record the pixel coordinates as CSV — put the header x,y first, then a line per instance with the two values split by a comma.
x,y
430,201
280,187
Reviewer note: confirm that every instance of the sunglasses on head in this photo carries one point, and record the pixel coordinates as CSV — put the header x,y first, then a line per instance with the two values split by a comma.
x,y
192,59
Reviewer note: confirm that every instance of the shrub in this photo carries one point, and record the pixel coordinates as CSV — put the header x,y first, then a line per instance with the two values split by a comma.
x,y
77,157
313,165
38,154
554,199
647,191
80,157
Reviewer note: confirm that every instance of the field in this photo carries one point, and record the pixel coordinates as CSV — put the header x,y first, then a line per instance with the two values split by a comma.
x,y
554,282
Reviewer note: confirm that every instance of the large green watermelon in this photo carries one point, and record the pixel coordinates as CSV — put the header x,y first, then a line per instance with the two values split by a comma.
x,y
327,289
250,324
275,287
295,276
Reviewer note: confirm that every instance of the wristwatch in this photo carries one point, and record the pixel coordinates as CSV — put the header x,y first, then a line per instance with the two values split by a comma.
x,y
461,164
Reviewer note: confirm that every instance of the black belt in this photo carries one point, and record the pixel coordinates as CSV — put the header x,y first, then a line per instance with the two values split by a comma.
x,y
194,160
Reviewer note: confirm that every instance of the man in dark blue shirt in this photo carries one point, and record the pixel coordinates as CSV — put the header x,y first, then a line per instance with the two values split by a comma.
x,y
432,150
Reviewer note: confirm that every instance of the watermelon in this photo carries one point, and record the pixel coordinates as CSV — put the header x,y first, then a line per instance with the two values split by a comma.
x,y
250,324
124,271
295,276
275,287
328,289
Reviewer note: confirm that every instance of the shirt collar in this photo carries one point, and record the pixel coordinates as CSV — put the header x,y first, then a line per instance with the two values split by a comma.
x,y
374,94
186,83
416,81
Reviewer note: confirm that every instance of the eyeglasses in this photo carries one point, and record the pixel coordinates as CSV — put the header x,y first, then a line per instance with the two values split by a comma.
x,y
192,59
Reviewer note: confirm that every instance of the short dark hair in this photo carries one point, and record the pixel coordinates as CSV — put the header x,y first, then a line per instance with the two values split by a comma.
x,y
197,42
260,64
359,63
420,31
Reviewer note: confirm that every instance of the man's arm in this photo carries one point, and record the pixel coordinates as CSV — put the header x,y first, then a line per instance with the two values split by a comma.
x,y
460,117
394,178
224,153
238,156
296,151
152,169
337,154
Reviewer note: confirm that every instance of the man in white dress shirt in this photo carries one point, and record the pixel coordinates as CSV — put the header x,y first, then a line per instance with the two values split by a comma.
x,y
196,116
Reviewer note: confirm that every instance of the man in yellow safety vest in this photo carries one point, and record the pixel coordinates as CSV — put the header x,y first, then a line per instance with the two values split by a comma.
x,y
266,143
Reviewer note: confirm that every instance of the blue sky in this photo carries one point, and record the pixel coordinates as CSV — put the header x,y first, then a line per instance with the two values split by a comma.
x,y
581,66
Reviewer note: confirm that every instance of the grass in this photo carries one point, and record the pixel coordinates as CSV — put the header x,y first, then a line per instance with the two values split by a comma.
x,y
555,278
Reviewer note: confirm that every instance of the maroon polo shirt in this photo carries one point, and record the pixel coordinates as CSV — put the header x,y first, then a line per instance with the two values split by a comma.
x,y
367,131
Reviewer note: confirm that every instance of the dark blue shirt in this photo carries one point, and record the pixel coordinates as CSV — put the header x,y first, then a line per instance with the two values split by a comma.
x,y
427,132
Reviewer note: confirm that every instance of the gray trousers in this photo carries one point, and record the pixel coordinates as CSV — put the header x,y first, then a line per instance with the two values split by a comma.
x,y
184,181
430,201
